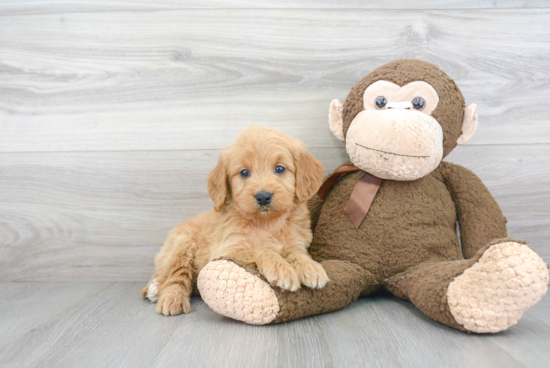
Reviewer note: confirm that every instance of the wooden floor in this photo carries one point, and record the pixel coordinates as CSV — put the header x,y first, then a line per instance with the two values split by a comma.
x,y
111,116
107,324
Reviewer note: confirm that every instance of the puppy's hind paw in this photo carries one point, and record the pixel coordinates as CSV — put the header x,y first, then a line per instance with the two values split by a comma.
x,y
153,292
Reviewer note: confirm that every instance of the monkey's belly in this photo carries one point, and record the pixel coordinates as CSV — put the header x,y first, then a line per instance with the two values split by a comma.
x,y
408,223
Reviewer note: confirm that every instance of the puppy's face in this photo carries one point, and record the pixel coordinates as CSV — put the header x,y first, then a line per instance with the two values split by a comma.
x,y
264,174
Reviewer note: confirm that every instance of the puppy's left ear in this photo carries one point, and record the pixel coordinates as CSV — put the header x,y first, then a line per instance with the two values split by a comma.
x,y
218,183
309,174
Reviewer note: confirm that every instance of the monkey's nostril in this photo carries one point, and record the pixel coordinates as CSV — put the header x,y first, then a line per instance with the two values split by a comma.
x,y
264,198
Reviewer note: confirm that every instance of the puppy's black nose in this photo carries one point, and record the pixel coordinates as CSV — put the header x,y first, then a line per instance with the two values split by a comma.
x,y
264,198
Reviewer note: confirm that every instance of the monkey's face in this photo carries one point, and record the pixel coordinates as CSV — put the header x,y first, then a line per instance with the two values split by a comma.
x,y
395,137
401,119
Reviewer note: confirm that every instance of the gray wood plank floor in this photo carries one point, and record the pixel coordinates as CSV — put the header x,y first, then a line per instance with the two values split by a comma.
x,y
108,324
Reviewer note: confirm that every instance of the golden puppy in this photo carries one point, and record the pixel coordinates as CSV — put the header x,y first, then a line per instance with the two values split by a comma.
x,y
259,188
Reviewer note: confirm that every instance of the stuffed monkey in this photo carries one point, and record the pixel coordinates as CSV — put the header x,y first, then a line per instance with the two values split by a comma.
x,y
386,221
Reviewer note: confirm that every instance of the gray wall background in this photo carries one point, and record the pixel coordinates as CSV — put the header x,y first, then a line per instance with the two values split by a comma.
x,y
112,112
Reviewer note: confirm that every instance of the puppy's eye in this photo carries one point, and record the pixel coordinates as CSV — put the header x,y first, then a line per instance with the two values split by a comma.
x,y
381,102
280,170
245,173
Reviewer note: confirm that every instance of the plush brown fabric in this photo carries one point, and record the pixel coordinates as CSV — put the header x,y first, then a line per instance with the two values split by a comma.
x,y
479,216
408,223
407,243
346,283
314,206
450,108
425,285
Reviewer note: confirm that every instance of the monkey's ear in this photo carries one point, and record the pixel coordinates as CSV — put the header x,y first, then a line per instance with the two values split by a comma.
x,y
335,122
217,183
469,124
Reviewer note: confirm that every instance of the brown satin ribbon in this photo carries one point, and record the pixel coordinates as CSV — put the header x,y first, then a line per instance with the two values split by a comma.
x,y
333,178
362,196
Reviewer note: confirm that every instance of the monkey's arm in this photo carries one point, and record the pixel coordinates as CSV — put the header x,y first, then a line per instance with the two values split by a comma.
x,y
314,205
480,219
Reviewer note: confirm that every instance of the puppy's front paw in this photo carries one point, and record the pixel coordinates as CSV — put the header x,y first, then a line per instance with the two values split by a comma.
x,y
173,303
311,274
281,274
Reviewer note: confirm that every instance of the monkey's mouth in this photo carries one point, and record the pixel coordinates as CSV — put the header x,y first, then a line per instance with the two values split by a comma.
x,y
390,153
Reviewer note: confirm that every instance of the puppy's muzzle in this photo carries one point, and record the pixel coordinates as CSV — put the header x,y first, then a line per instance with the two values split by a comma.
x,y
264,198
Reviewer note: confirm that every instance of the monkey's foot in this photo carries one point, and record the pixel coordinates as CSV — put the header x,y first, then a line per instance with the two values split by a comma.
x,y
237,291
492,294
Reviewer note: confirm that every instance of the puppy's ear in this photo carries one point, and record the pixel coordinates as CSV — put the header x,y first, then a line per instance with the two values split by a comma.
x,y
218,183
309,174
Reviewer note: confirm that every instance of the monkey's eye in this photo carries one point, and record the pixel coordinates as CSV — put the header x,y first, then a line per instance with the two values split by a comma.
x,y
418,103
245,173
381,102
280,170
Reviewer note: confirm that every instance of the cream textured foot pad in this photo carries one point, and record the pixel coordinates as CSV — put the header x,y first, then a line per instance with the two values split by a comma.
x,y
235,293
492,295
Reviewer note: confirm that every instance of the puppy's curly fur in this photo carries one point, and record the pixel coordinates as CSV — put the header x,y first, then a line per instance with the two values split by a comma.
x,y
274,236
